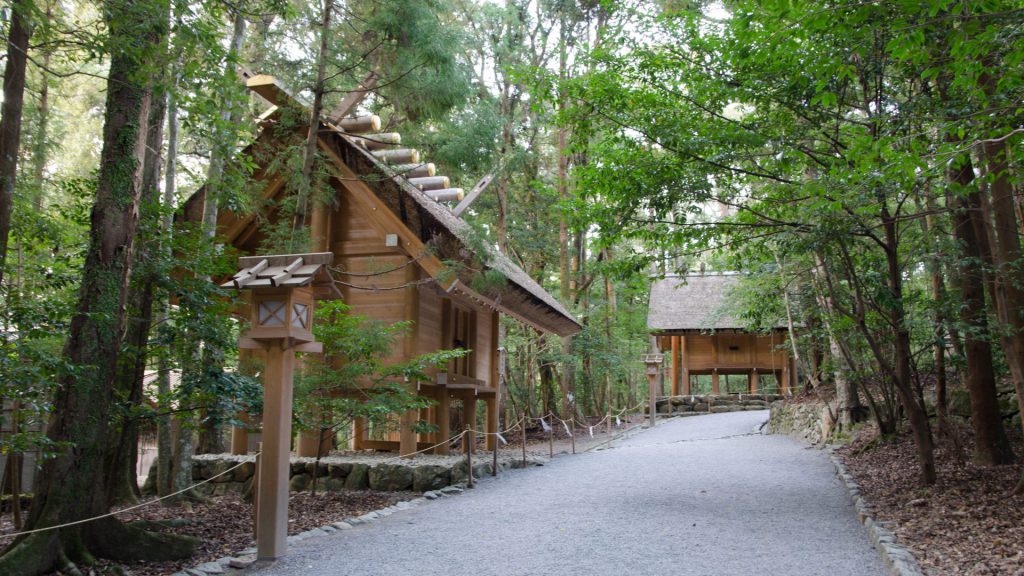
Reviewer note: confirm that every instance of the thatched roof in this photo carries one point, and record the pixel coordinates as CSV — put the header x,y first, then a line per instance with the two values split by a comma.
x,y
693,303
432,221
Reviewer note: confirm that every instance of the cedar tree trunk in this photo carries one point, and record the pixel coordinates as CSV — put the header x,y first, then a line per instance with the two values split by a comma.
x,y
72,486
991,445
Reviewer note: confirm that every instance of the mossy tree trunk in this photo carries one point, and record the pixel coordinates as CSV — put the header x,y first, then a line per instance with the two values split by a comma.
x,y
73,486
145,275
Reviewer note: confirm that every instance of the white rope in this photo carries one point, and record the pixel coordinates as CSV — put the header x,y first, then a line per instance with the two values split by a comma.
x,y
109,514
442,443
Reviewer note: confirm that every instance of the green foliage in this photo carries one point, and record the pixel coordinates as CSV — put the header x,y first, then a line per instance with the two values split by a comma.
x,y
357,376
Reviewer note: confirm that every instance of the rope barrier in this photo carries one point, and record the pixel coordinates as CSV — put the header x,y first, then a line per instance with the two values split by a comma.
x,y
442,443
521,423
123,510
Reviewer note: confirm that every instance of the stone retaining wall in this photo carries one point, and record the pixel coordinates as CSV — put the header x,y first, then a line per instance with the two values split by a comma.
x,y
360,472
809,421
708,404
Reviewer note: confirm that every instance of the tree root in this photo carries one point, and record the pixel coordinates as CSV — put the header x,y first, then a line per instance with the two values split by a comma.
x,y
115,540
158,524
68,548
32,555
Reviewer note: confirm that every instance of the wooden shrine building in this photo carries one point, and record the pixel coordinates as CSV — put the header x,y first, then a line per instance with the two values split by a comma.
x,y
400,254
689,317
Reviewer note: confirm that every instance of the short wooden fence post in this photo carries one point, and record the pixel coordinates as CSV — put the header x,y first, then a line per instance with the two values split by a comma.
x,y
256,492
551,441
523,424
469,456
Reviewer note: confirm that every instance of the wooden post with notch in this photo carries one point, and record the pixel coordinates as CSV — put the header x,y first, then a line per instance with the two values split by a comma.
x,y
652,362
281,325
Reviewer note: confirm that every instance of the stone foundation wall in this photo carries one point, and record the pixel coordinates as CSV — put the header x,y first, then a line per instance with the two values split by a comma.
x,y
960,404
336,473
809,421
693,405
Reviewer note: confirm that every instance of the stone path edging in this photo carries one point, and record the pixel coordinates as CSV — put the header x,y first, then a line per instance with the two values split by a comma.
x,y
897,558
247,557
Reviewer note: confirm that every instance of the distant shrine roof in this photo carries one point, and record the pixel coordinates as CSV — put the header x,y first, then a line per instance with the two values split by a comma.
x,y
693,303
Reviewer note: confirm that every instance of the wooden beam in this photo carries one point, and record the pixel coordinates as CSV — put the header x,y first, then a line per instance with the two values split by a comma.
x,y
492,441
473,194
469,417
676,361
272,91
385,219
272,516
685,359
360,124
443,422
354,97
407,436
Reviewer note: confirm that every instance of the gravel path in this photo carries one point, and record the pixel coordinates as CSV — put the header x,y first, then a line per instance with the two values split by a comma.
x,y
707,495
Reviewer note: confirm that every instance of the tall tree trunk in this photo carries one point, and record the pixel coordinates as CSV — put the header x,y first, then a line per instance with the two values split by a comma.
x,y
210,438
72,485
40,153
610,305
900,368
132,364
19,33
222,146
991,445
164,437
1006,255
305,193
849,405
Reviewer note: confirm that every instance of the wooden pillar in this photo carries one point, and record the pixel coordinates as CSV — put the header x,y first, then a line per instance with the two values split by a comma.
x,y
358,433
492,421
319,226
714,382
308,444
406,435
755,381
652,406
676,361
469,416
240,434
784,380
272,518
443,421
240,437
685,360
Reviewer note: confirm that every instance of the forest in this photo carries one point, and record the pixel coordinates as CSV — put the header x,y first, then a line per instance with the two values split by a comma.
x,y
856,162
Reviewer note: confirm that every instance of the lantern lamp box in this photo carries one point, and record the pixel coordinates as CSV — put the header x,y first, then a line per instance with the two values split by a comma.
x,y
281,307
282,313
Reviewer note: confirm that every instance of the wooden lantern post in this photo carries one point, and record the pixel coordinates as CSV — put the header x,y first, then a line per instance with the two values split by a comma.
x,y
653,364
281,324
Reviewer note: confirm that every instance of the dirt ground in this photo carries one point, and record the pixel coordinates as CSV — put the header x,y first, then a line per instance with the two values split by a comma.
x,y
969,523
